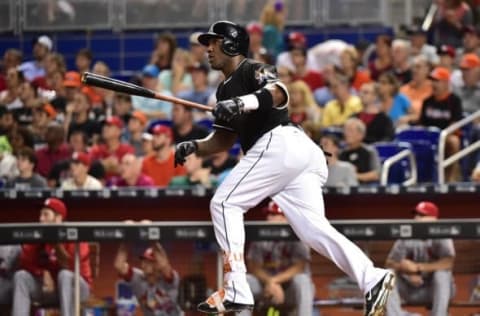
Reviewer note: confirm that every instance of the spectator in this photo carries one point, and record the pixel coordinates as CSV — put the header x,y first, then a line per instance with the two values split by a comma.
x,y
299,59
80,179
10,97
165,47
220,162
147,143
344,105
200,92
302,106
198,52
326,54
12,58
285,75
122,107
27,178
46,270
55,150
255,32
177,79
111,152
136,126
42,116
442,109
476,173
160,165
155,284
8,163
470,41
20,137
7,121
154,109
131,174
196,174
419,45
383,60
364,158
340,173
183,126
392,102
35,68
78,118
419,88
273,18
83,60
349,63
295,40
29,100
401,60
9,255
71,84
469,89
379,125
99,97
54,62
452,17
279,270
446,55
424,269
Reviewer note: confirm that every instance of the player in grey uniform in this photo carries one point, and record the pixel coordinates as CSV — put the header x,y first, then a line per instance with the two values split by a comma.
x,y
280,270
424,269
155,284
280,161
9,255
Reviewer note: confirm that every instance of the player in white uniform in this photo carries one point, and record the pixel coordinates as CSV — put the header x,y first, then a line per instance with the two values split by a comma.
x,y
280,162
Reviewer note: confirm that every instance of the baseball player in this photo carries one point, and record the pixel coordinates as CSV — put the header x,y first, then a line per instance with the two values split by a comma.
x,y
280,161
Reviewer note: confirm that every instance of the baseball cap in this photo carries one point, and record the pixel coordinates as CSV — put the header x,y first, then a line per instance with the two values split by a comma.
x,y
470,61
45,41
56,205
72,79
148,255
440,73
139,115
150,71
254,27
426,208
160,129
297,39
446,50
193,38
272,209
81,157
114,120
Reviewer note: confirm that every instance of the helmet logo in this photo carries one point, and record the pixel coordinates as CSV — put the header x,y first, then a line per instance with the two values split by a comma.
x,y
234,33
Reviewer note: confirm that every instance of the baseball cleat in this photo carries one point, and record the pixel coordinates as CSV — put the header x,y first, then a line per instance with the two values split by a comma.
x,y
216,305
376,298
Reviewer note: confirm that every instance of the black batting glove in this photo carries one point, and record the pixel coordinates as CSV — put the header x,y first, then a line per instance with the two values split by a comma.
x,y
228,109
183,150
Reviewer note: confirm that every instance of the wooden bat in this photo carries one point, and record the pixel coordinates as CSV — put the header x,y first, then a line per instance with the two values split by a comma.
x,y
108,83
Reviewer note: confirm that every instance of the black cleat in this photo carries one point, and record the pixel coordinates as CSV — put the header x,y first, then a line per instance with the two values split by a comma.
x,y
228,307
377,297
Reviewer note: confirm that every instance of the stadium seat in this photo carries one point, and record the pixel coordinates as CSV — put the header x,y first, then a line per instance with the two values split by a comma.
x,y
400,171
424,141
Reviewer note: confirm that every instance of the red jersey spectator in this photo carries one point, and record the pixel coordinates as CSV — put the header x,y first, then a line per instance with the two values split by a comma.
x,y
46,270
112,150
131,174
160,165
55,150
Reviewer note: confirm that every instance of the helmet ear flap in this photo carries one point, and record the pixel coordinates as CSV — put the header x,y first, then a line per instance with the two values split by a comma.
x,y
230,47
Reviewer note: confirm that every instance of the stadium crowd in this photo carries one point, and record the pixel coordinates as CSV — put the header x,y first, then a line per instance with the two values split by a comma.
x,y
57,132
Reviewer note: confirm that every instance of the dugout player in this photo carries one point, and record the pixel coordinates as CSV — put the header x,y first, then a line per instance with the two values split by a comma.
x,y
280,162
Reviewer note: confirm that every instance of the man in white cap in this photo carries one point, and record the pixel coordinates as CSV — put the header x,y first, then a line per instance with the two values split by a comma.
x,y
36,68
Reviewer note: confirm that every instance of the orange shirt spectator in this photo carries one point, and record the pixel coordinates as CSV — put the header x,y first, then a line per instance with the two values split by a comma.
x,y
417,94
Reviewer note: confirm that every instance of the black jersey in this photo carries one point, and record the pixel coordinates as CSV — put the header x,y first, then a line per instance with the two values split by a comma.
x,y
248,78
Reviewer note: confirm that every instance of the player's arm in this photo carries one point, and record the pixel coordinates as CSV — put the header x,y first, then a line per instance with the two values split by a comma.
x,y
445,263
162,262
121,263
289,273
219,140
257,270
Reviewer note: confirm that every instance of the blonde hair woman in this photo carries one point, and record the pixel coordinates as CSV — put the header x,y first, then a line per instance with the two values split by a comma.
x,y
302,107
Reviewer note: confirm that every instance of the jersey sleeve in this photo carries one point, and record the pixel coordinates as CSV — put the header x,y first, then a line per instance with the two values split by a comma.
x,y
398,251
258,75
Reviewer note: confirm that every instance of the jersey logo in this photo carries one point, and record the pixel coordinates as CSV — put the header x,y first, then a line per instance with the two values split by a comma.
x,y
264,75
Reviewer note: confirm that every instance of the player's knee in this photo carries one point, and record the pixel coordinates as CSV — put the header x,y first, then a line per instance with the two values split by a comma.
x,y
65,276
20,277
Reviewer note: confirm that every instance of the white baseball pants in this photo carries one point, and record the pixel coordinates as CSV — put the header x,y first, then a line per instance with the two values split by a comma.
x,y
286,165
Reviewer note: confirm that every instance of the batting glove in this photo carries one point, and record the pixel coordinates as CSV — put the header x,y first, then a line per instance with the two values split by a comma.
x,y
228,109
183,150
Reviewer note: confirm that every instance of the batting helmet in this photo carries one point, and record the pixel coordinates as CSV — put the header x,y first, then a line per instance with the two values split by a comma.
x,y
235,38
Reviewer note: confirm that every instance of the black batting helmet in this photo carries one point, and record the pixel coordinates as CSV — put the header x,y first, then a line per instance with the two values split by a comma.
x,y
234,37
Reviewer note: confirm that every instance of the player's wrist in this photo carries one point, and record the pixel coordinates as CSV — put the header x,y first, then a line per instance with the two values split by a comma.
x,y
250,102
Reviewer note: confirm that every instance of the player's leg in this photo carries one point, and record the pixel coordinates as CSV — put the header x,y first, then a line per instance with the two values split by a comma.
x,y
25,287
299,293
258,175
441,289
65,283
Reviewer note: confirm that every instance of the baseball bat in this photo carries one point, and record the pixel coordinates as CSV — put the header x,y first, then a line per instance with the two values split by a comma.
x,y
108,83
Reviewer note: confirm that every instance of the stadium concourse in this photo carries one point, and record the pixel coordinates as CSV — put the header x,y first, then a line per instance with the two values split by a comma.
x,y
390,89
